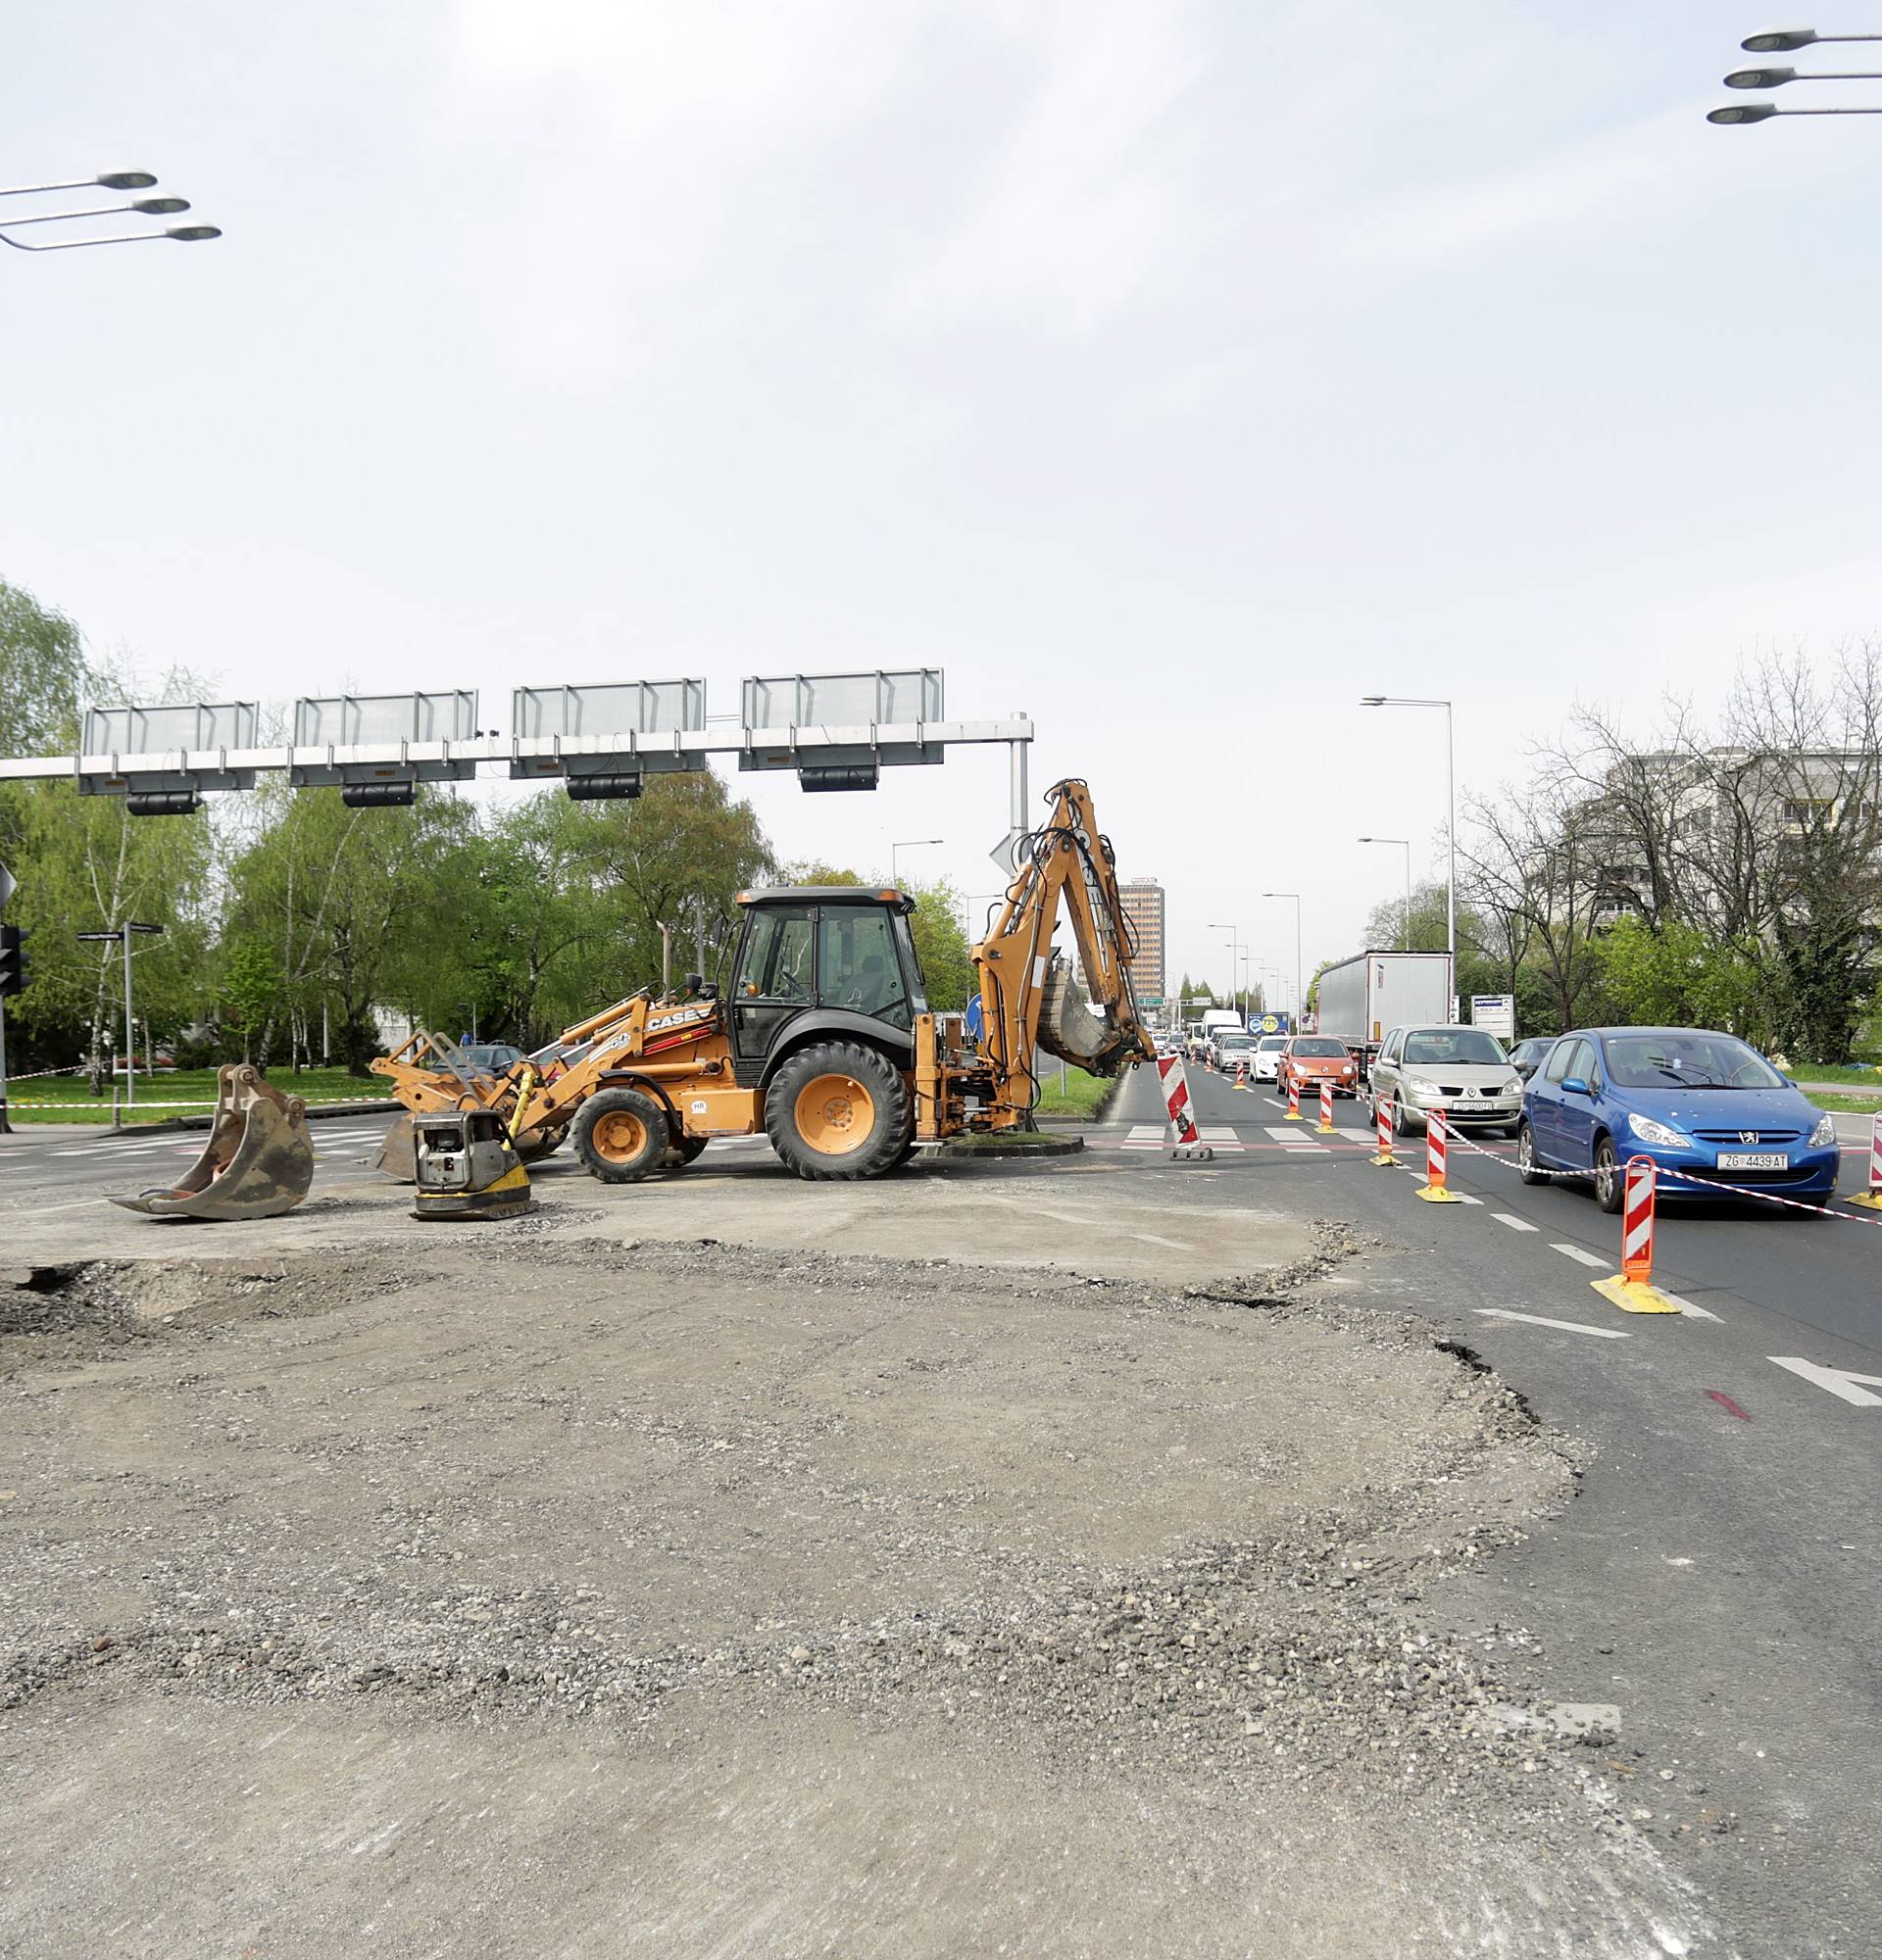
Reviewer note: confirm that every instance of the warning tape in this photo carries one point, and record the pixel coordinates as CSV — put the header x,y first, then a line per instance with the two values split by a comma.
x,y
131,1108
1705,1184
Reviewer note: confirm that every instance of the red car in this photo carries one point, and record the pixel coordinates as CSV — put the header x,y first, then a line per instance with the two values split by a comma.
x,y
1311,1059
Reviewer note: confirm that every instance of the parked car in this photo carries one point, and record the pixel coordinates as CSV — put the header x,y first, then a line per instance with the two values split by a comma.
x,y
1694,1101
1526,1056
1268,1057
487,1058
1307,1061
1459,1070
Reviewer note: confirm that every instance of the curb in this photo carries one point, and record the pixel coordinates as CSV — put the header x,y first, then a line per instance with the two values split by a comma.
x,y
379,1106
963,1148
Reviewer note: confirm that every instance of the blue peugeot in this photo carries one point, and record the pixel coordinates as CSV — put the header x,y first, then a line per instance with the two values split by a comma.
x,y
1696,1101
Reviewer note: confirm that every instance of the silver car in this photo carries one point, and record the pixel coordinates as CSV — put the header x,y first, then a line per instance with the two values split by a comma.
x,y
1462,1071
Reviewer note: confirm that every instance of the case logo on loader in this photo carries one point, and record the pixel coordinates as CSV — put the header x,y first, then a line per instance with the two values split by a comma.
x,y
679,1018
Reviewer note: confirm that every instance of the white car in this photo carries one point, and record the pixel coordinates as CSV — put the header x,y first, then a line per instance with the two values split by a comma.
x,y
1268,1057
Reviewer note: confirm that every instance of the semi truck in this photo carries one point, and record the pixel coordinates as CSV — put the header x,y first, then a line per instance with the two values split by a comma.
x,y
1362,997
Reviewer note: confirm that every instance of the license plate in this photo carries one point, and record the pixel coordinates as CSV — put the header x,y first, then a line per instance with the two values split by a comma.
x,y
1752,1161
1466,1103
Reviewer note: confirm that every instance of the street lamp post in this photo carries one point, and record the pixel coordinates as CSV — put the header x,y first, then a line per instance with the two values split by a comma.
x,y
143,206
1787,40
1234,947
1404,921
907,844
1300,991
1451,818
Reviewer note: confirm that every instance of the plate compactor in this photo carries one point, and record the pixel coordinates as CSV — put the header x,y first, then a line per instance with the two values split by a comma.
x,y
467,1167
257,1162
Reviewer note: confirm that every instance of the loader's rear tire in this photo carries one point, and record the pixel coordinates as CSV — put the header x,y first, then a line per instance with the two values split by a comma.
x,y
540,1144
620,1135
681,1152
838,1111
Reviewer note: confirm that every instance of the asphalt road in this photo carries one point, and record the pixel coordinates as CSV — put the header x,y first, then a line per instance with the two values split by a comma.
x,y
1720,1576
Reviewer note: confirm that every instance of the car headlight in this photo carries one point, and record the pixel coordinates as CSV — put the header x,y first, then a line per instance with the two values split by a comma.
x,y
1421,1091
1649,1132
1514,1087
1824,1133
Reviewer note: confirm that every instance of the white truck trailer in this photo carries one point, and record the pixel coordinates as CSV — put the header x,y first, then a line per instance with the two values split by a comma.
x,y
1362,997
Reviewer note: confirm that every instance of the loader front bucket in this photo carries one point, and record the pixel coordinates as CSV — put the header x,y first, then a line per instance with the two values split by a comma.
x,y
398,1155
257,1162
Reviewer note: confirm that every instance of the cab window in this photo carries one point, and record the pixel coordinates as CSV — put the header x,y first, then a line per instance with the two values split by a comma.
x,y
778,958
859,968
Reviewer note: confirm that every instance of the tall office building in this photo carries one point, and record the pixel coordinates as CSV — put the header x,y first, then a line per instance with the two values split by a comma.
x,y
1144,909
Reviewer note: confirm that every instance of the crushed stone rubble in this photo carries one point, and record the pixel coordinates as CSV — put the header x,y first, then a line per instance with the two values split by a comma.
x,y
1311,1652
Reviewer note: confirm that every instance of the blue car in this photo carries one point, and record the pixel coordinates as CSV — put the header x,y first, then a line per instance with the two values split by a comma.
x,y
1694,1101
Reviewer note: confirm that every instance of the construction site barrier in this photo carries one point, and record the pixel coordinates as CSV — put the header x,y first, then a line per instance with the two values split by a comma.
x,y
1434,1190
1293,1099
1382,1118
1871,1198
1174,1081
1326,1108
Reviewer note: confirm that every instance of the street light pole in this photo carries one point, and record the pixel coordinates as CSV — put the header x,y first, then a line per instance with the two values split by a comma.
x,y
143,206
1451,818
1234,947
907,844
1404,920
1300,990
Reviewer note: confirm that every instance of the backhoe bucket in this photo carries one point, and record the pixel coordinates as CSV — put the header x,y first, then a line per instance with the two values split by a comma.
x,y
257,1162
398,1155
1069,1029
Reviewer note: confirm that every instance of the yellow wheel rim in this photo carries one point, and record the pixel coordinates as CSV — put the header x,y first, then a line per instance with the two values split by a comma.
x,y
835,1114
619,1136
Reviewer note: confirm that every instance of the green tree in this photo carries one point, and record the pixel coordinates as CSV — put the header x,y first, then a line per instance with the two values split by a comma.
x,y
43,674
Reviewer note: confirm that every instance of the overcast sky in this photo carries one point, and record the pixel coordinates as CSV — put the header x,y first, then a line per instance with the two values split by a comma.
x,y
1175,373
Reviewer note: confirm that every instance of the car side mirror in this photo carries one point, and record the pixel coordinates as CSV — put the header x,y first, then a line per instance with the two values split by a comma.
x,y
1575,1085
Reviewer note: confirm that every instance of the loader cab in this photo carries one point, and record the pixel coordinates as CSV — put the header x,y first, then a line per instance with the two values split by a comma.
x,y
825,959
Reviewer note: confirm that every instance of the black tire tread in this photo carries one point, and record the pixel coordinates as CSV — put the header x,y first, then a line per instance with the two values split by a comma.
x,y
894,1121
658,1130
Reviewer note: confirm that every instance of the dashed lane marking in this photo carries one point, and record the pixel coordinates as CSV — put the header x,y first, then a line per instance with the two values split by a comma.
x,y
1542,1320
1686,1305
1576,1252
1175,1245
1514,1223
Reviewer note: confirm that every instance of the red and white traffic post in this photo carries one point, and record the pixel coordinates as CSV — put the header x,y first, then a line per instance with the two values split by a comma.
x,y
1637,1223
1382,1116
1174,1081
1293,1099
1871,1198
1326,1108
1434,1190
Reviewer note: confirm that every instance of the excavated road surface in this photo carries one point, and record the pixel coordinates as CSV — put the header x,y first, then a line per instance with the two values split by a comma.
x,y
533,1593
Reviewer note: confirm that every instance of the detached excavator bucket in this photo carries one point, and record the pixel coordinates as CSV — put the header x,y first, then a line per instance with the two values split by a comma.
x,y
398,1155
257,1162
1069,1029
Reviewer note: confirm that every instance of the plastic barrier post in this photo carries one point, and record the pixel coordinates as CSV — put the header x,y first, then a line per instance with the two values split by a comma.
x,y
1174,1080
1382,1112
1293,1099
1434,1190
1632,1290
1327,1109
1871,1200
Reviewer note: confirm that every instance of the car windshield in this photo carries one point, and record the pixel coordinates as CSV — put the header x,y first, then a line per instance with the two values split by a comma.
x,y
1684,1060
1316,1046
1272,1043
1427,1046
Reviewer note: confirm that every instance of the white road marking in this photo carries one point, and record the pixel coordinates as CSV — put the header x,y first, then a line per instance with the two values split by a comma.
x,y
1839,1381
1464,1198
1542,1320
1175,1245
1299,1140
1687,1306
1576,1252
1358,1136
1514,1223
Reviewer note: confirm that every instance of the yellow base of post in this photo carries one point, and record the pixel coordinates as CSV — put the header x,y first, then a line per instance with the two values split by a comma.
x,y
1293,1116
1325,1130
1871,1200
1633,1295
1436,1193
1386,1158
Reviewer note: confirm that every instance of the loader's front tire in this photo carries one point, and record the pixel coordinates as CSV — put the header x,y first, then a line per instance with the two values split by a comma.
x,y
838,1111
681,1152
620,1135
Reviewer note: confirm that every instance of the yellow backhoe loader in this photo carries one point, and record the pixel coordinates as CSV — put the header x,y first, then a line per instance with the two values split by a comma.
x,y
825,1042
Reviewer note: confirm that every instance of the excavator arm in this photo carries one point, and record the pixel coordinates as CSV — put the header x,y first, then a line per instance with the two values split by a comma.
x,y
1029,997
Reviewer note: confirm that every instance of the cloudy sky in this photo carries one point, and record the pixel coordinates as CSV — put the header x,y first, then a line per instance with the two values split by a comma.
x,y
1173,371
